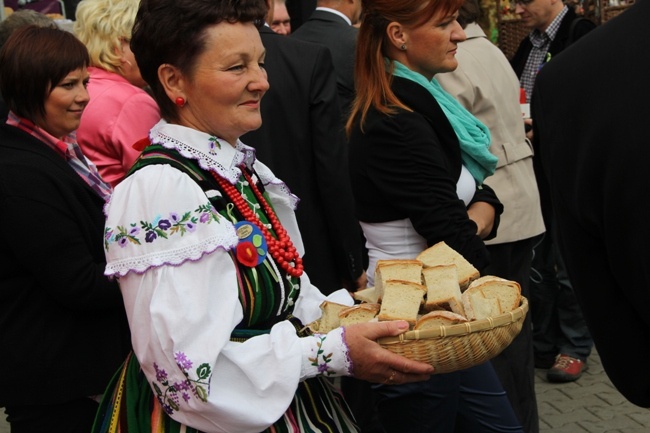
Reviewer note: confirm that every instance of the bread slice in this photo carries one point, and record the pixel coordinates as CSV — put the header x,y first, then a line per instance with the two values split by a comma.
x,y
401,301
478,307
443,254
369,294
443,290
403,270
434,319
490,296
360,313
330,318
508,292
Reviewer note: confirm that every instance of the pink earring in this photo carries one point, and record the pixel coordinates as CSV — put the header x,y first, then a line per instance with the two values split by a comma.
x,y
180,101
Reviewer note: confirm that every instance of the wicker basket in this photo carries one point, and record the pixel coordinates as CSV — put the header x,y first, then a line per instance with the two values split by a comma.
x,y
609,12
511,33
456,347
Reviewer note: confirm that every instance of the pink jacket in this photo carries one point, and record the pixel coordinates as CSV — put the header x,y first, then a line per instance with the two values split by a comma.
x,y
118,115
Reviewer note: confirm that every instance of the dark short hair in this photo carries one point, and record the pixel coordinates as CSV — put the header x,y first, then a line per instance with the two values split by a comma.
x,y
32,62
469,12
173,32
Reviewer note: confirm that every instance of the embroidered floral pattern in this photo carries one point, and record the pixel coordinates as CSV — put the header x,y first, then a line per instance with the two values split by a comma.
x,y
160,227
214,145
170,394
321,360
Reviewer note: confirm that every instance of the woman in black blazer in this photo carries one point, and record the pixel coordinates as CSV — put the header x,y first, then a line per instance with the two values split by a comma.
x,y
63,329
417,164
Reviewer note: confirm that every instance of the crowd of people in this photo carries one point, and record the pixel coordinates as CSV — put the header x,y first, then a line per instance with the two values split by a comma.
x,y
194,178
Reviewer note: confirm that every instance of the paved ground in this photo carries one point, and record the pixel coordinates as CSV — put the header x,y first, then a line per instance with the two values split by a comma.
x,y
589,405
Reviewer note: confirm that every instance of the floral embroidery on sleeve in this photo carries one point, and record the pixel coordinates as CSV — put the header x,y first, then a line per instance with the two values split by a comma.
x,y
322,360
160,228
169,394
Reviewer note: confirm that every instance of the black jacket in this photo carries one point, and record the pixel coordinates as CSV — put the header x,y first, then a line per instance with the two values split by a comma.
x,y
407,166
566,35
328,29
301,140
63,329
590,120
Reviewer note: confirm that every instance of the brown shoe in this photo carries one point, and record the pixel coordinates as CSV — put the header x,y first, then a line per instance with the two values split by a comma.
x,y
565,369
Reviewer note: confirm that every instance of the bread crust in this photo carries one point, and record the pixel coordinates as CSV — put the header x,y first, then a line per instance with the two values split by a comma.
x,y
401,301
439,318
443,254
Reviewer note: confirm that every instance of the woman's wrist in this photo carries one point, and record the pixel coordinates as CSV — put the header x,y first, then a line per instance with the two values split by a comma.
x,y
326,354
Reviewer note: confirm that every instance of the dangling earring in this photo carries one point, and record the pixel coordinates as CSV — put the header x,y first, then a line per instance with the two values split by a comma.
x,y
403,47
180,101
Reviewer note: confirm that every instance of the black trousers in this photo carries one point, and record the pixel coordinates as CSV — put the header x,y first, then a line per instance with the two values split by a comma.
x,y
515,365
76,416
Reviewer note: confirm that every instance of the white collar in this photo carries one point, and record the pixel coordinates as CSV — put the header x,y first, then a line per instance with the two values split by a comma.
x,y
474,30
334,11
212,153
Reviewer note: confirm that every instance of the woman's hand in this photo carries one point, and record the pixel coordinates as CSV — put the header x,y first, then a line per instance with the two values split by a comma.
x,y
482,214
373,363
529,128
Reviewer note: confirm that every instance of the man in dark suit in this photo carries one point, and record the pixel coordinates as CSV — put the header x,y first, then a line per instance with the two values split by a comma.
x,y
300,140
299,11
561,340
590,114
331,25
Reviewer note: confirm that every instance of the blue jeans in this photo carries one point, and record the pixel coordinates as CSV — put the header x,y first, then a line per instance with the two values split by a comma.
x,y
471,401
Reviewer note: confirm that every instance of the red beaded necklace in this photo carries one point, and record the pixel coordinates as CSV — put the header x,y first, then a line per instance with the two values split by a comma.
x,y
281,249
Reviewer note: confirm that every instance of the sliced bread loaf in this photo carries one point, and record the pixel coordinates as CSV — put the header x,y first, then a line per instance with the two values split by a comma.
x,y
369,294
477,306
401,301
443,254
360,313
330,318
443,290
490,296
403,270
434,319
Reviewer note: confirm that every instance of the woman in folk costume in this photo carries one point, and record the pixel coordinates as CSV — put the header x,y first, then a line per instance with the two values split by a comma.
x,y
204,242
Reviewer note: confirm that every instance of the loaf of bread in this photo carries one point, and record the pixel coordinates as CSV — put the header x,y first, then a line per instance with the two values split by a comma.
x,y
401,301
490,296
403,270
360,313
443,254
434,319
443,290
330,318
369,294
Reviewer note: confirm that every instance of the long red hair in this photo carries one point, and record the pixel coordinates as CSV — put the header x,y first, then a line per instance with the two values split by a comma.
x,y
372,80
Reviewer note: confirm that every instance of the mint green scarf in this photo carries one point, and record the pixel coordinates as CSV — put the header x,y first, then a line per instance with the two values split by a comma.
x,y
473,136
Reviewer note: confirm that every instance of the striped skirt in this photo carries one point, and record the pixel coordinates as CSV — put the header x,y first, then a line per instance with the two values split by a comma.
x,y
130,406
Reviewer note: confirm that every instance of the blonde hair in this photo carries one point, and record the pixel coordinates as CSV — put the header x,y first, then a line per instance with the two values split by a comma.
x,y
102,25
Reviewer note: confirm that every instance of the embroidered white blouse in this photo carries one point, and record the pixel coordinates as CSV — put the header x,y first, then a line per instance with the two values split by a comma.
x,y
168,247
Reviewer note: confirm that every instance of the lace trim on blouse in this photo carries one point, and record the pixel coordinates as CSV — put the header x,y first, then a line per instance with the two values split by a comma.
x,y
217,155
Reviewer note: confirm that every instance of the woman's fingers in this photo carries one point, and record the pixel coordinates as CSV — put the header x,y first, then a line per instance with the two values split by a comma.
x,y
373,363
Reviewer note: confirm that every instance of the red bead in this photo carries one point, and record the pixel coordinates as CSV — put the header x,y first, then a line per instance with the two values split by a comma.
x,y
281,248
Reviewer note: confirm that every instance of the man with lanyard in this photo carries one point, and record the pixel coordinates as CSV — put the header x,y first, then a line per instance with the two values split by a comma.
x,y
561,340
